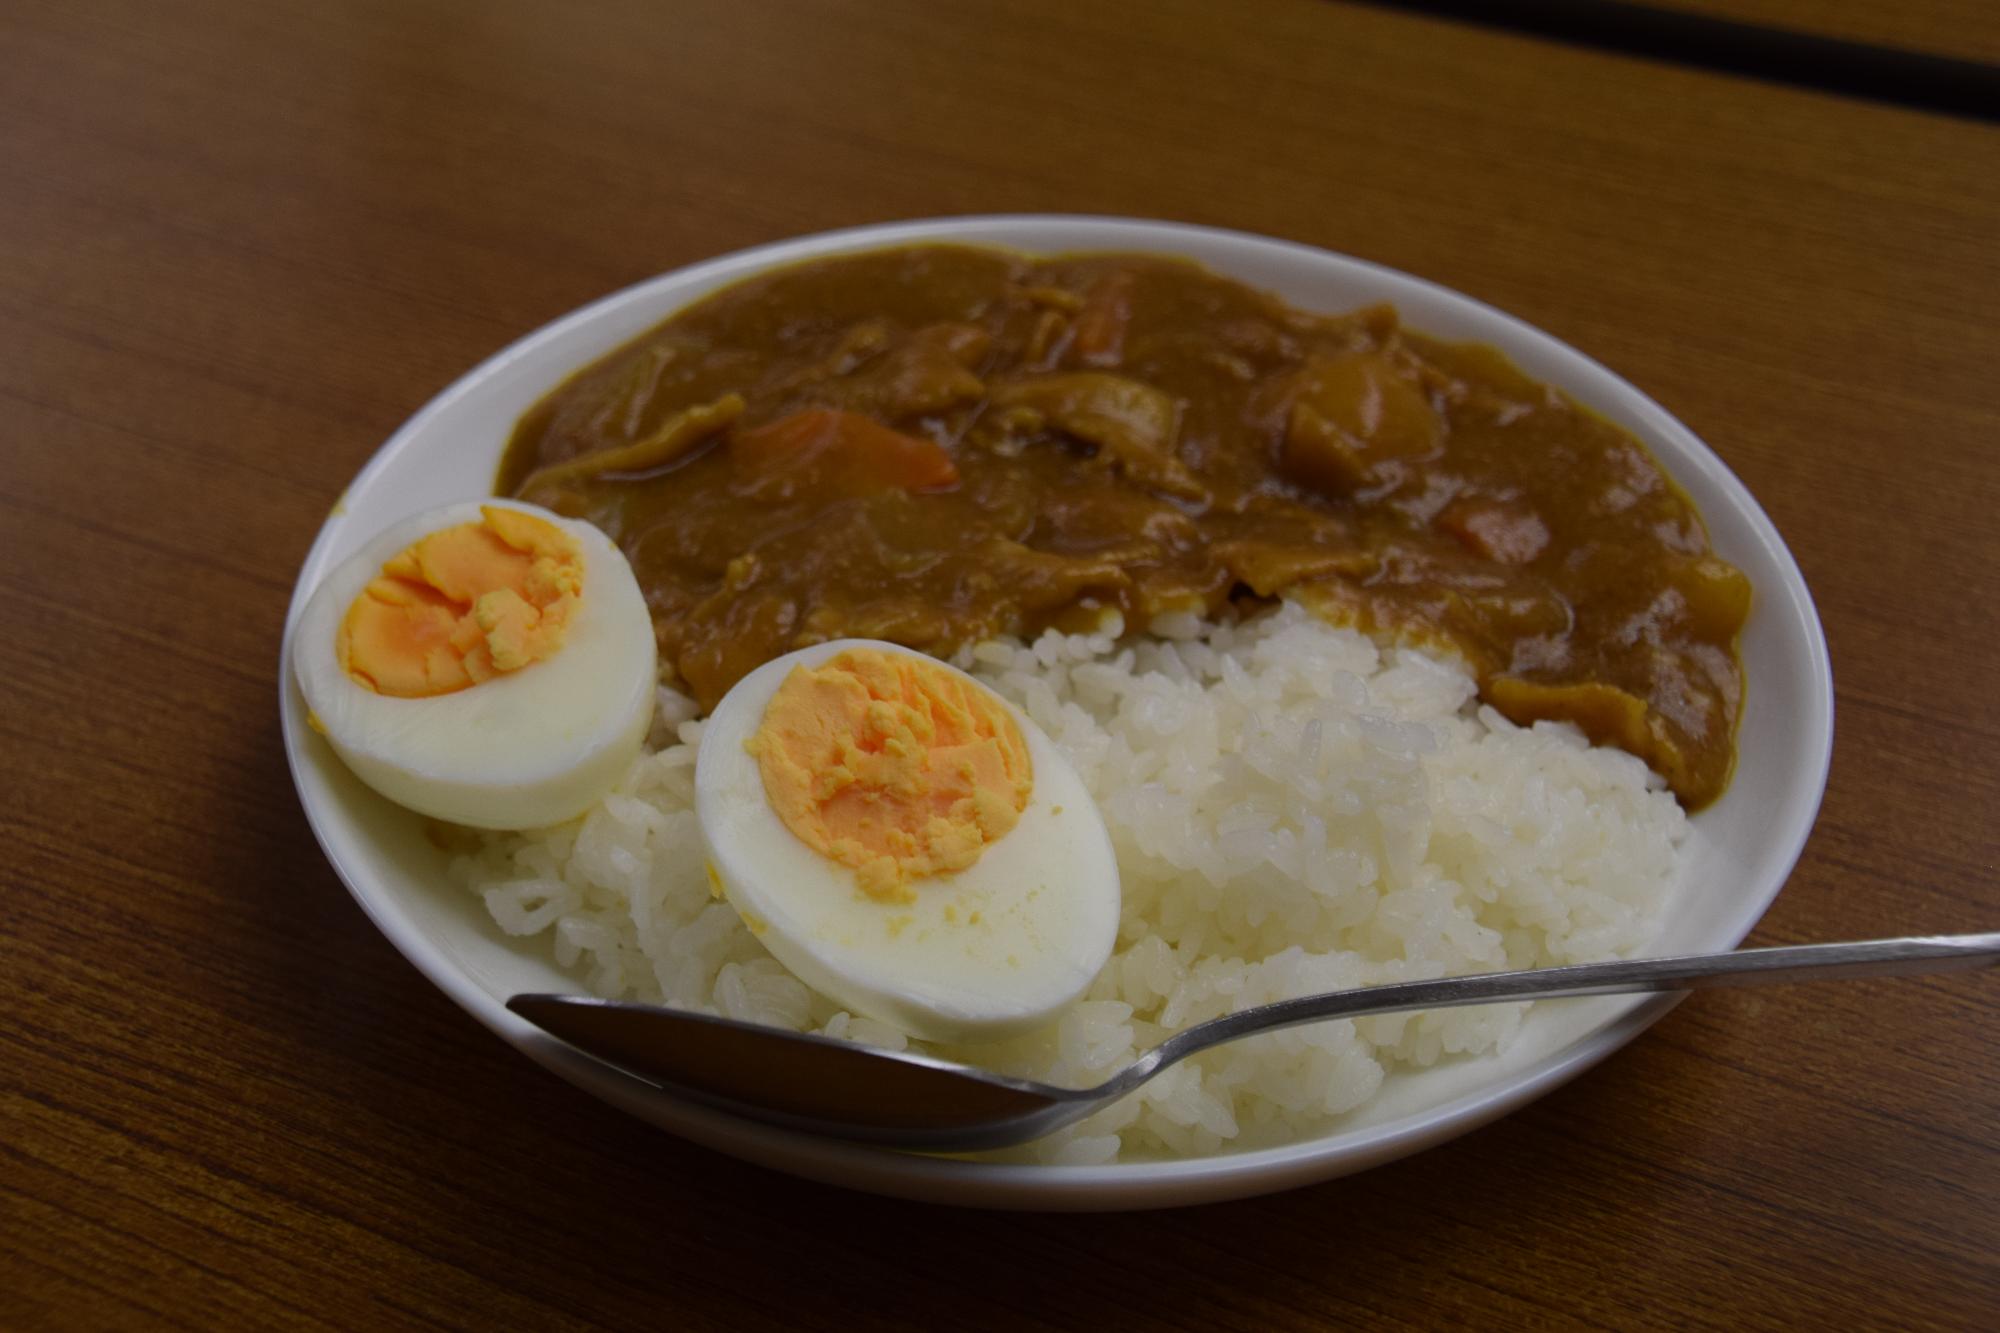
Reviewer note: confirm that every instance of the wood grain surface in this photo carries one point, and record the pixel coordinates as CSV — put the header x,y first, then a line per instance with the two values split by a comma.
x,y
240,242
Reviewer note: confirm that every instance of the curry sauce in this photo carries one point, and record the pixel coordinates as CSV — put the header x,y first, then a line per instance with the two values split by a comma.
x,y
938,444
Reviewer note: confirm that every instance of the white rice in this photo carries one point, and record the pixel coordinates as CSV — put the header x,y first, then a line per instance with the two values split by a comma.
x,y
1294,811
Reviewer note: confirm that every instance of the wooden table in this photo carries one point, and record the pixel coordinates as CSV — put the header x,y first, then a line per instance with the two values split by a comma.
x,y
242,242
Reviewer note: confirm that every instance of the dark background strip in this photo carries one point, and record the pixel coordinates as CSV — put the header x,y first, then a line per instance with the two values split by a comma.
x,y
1884,74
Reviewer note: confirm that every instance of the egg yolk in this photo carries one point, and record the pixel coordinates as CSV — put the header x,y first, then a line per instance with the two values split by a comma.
x,y
463,605
891,765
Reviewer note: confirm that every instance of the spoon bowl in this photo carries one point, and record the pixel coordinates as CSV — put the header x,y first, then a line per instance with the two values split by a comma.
x,y
845,1090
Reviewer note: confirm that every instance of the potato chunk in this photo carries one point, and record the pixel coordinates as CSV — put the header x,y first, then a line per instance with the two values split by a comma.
x,y
1354,414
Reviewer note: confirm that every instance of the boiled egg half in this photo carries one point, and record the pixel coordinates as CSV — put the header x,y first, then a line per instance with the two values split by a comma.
x,y
488,663
906,842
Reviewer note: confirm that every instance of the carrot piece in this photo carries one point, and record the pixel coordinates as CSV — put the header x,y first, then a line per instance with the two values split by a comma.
x,y
854,448
1100,326
1502,531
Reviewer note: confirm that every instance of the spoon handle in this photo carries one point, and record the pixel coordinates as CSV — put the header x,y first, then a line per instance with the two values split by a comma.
x,y
1745,967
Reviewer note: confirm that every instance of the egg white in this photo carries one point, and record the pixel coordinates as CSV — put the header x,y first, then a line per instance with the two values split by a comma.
x,y
995,949
525,749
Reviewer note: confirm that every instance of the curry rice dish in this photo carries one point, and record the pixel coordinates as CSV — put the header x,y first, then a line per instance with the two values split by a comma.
x,y
1291,591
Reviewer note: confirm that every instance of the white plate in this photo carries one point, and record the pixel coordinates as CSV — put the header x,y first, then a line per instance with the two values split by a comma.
x,y
1743,846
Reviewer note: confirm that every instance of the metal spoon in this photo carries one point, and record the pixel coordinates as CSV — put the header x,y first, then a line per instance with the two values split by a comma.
x,y
849,1091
